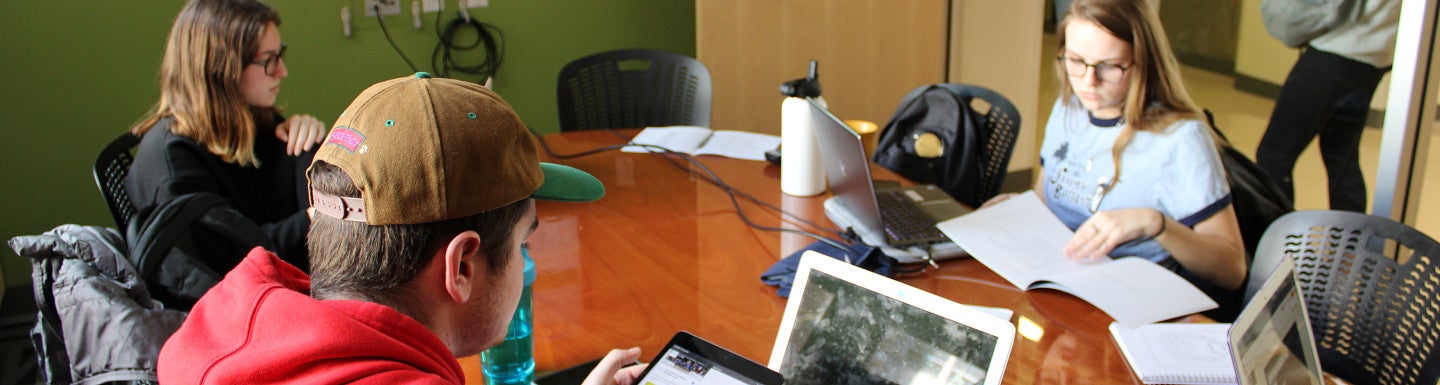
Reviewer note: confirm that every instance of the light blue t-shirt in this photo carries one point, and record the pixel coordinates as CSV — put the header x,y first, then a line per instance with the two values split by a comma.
x,y
1176,170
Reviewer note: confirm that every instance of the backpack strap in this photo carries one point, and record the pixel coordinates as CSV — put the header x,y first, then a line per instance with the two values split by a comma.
x,y
1210,119
152,239
235,226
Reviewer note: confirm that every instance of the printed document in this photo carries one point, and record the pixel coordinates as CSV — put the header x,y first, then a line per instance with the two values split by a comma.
x,y
1023,242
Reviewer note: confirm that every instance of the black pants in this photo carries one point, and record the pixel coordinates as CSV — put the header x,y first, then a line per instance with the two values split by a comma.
x,y
1326,95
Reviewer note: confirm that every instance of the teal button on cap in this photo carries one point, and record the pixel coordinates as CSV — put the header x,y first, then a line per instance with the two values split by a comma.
x,y
423,75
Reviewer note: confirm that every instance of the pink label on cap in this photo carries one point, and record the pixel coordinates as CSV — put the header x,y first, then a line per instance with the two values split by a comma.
x,y
346,137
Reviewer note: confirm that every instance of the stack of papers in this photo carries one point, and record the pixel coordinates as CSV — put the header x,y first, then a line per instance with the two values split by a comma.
x,y
704,141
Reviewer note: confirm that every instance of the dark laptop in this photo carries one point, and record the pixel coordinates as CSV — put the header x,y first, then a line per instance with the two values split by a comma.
x,y
895,217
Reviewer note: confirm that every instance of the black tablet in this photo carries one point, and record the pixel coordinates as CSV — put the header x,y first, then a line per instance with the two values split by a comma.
x,y
687,359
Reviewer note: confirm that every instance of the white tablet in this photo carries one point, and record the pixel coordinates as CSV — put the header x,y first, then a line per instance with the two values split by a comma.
x,y
846,325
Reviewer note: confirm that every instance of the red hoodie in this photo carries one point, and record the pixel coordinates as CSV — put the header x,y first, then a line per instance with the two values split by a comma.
x,y
260,326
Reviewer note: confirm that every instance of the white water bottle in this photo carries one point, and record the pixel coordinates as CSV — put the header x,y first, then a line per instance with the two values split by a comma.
x,y
802,172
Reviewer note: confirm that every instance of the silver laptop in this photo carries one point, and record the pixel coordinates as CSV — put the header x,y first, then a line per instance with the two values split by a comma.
x,y
899,219
1271,341
846,325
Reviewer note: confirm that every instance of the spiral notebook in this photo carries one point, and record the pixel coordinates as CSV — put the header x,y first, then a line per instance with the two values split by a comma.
x,y
1177,353
1270,343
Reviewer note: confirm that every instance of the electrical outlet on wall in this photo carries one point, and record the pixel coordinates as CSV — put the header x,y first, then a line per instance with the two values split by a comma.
x,y
387,7
432,5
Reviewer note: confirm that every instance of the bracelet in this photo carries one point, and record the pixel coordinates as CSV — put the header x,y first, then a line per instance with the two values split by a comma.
x,y
1162,225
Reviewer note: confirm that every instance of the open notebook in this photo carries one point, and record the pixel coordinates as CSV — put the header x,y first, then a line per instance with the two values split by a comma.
x,y
1269,343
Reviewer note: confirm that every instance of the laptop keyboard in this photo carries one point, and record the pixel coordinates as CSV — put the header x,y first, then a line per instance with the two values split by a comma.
x,y
904,223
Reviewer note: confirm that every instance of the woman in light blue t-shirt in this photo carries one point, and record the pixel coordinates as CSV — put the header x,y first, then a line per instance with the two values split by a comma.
x,y
1126,163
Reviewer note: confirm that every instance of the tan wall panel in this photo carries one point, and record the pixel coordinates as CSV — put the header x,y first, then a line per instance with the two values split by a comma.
x,y
1257,54
871,52
996,44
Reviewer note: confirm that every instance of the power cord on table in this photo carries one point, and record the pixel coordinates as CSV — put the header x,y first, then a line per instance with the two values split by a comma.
x,y
709,176
848,235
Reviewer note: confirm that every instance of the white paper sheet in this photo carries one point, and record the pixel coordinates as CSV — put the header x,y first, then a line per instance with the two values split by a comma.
x,y
704,141
1023,242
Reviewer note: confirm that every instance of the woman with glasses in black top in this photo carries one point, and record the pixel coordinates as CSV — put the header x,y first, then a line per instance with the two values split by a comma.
x,y
216,128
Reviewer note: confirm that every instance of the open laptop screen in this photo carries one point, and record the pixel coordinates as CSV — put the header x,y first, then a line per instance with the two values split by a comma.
x,y
1270,340
845,325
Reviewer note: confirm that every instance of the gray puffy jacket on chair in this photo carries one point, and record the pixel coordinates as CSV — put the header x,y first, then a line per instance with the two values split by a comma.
x,y
97,322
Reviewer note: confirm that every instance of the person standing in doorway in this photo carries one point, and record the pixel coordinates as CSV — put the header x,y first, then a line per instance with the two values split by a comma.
x,y
1327,94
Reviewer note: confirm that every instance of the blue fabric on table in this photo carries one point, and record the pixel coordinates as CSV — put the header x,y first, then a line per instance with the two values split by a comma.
x,y
782,273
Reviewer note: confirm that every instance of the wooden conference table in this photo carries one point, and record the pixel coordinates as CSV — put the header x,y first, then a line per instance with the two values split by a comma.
x,y
665,251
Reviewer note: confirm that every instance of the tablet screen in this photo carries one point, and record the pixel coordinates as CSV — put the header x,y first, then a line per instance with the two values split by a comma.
x,y
1271,341
846,325
689,360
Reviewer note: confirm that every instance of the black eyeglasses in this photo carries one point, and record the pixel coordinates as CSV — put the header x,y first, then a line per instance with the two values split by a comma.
x,y
1106,72
273,61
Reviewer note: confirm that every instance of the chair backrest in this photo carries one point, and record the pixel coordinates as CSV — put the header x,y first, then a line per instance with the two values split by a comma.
x,y
111,167
1371,286
1001,128
971,170
633,88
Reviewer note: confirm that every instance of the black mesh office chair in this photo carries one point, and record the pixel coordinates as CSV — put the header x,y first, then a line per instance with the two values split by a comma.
x,y
983,173
111,167
633,88
1371,287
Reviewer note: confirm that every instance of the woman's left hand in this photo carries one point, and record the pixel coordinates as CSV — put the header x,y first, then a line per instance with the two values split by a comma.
x,y
300,133
1105,230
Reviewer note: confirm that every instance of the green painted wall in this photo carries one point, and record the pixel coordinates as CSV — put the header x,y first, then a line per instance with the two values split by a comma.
x,y
77,73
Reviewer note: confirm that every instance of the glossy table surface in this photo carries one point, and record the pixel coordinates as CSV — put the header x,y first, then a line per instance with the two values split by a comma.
x,y
666,251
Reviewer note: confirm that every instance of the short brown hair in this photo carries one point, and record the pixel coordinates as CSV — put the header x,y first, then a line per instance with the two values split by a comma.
x,y
374,261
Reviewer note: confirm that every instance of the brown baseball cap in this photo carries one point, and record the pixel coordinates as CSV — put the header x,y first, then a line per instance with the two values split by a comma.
x,y
422,149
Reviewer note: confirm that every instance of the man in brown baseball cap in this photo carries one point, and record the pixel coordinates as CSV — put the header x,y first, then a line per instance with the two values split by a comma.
x,y
424,194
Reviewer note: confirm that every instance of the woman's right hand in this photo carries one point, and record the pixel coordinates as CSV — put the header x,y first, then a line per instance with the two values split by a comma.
x,y
300,133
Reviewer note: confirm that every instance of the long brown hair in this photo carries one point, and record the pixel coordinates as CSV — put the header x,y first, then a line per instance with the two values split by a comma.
x,y
209,46
1157,95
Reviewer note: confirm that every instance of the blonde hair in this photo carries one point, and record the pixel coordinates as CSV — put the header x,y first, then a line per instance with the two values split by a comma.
x,y
1156,96
210,45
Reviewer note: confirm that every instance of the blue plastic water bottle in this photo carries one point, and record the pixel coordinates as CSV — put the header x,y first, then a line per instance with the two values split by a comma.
x,y
513,362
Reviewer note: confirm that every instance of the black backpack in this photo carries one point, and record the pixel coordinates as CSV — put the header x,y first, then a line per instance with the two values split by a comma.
x,y
1258,200
934,137
184,246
